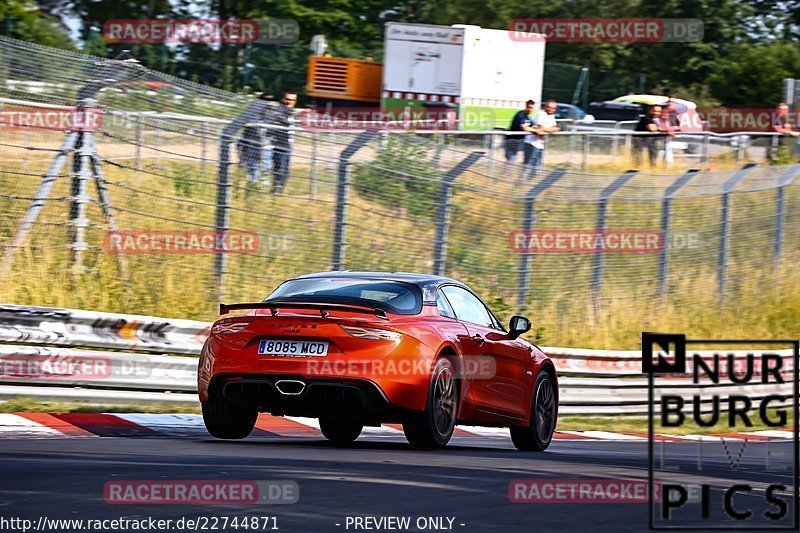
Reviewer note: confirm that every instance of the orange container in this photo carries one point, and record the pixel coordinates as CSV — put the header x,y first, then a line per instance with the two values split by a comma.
x,y
344,79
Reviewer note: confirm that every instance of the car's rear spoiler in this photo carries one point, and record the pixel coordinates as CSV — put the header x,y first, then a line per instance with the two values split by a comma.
x,y
324,308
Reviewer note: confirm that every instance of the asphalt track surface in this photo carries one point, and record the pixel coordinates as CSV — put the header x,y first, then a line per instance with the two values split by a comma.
x,y
467,481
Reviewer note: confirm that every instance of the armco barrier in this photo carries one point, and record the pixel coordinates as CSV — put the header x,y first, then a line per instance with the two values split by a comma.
x,y
73,327
119,361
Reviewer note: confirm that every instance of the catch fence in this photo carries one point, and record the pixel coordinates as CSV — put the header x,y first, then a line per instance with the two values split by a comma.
x,y
583,231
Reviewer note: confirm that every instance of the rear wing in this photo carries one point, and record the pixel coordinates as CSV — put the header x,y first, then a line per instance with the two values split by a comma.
x,y
323,308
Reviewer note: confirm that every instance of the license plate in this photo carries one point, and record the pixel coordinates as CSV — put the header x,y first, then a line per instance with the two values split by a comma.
x,y
284,348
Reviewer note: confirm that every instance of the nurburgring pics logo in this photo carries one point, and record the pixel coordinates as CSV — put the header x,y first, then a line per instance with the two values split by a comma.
x,y
736,385
610,30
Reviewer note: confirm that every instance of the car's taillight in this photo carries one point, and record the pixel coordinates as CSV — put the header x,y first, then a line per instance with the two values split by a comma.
x,y
375,334
226,327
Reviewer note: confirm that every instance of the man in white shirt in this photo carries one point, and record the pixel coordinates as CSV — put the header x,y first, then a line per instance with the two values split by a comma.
x,y
544,121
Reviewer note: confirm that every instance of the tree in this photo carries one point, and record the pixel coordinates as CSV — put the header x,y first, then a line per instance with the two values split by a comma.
x,y
752,75
21,21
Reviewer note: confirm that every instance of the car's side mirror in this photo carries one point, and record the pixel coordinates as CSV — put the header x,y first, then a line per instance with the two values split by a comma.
x,y
517,326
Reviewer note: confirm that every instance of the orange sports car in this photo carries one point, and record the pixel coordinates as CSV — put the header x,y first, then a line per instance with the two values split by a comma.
x,y
357,349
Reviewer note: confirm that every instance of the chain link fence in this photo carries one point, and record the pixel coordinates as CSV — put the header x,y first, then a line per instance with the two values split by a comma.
x,y
115,217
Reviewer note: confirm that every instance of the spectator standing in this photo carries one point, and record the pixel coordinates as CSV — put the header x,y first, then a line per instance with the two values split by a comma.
x,y
649,123
672,125
255,150
544,121
782,125
522,122
282,137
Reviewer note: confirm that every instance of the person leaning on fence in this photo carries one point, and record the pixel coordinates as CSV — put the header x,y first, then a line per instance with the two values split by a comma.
x,y
789,136
672,125
544,121
649,123
282,136
522,122
255,150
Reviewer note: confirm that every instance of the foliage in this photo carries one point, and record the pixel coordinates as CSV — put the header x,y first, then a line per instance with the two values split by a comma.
x,y
748,45
415,192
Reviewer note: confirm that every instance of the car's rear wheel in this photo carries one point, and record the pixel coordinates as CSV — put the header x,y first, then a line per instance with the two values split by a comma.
x,y
226,420
544,410
433,427
338,431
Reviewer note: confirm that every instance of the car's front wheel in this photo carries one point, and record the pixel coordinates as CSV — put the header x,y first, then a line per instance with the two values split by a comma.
x,y
338,431
226,420
433,427
544,411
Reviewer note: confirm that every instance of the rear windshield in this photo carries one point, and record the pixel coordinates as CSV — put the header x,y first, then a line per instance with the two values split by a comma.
x,y
393,296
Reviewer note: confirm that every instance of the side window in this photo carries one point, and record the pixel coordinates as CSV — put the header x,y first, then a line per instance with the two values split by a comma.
x,y
467,307
444,305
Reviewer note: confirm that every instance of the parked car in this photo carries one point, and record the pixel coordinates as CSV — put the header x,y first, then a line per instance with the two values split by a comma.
x,y
616,111
569,111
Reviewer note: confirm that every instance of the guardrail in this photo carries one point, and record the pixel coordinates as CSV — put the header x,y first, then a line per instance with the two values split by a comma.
x,y
76,355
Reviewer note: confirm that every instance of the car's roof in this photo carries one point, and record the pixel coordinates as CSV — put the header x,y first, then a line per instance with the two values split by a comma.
x,y
408,277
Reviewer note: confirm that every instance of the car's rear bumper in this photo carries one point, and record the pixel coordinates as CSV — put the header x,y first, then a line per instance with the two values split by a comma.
x,y
311,396
401,376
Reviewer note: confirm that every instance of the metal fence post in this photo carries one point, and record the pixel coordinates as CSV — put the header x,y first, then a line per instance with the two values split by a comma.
x,y
666,203
785,180
722,264
203,142
739,149
443,219
628,143
772,149
138,134
529,218
159,127
343,196
585,151
437,150
602,208
313,184
221,223
490,151
706,144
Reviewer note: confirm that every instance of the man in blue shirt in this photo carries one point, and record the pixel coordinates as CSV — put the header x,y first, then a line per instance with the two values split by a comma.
x,y
522,123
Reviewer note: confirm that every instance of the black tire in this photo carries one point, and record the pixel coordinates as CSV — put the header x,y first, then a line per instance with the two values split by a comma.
x,y
338,431
225,420
433,427
544,414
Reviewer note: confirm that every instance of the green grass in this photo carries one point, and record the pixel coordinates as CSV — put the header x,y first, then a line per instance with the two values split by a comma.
x,y
638,424
34,405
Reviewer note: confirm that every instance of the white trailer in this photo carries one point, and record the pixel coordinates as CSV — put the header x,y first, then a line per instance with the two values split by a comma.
x,y
484,75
